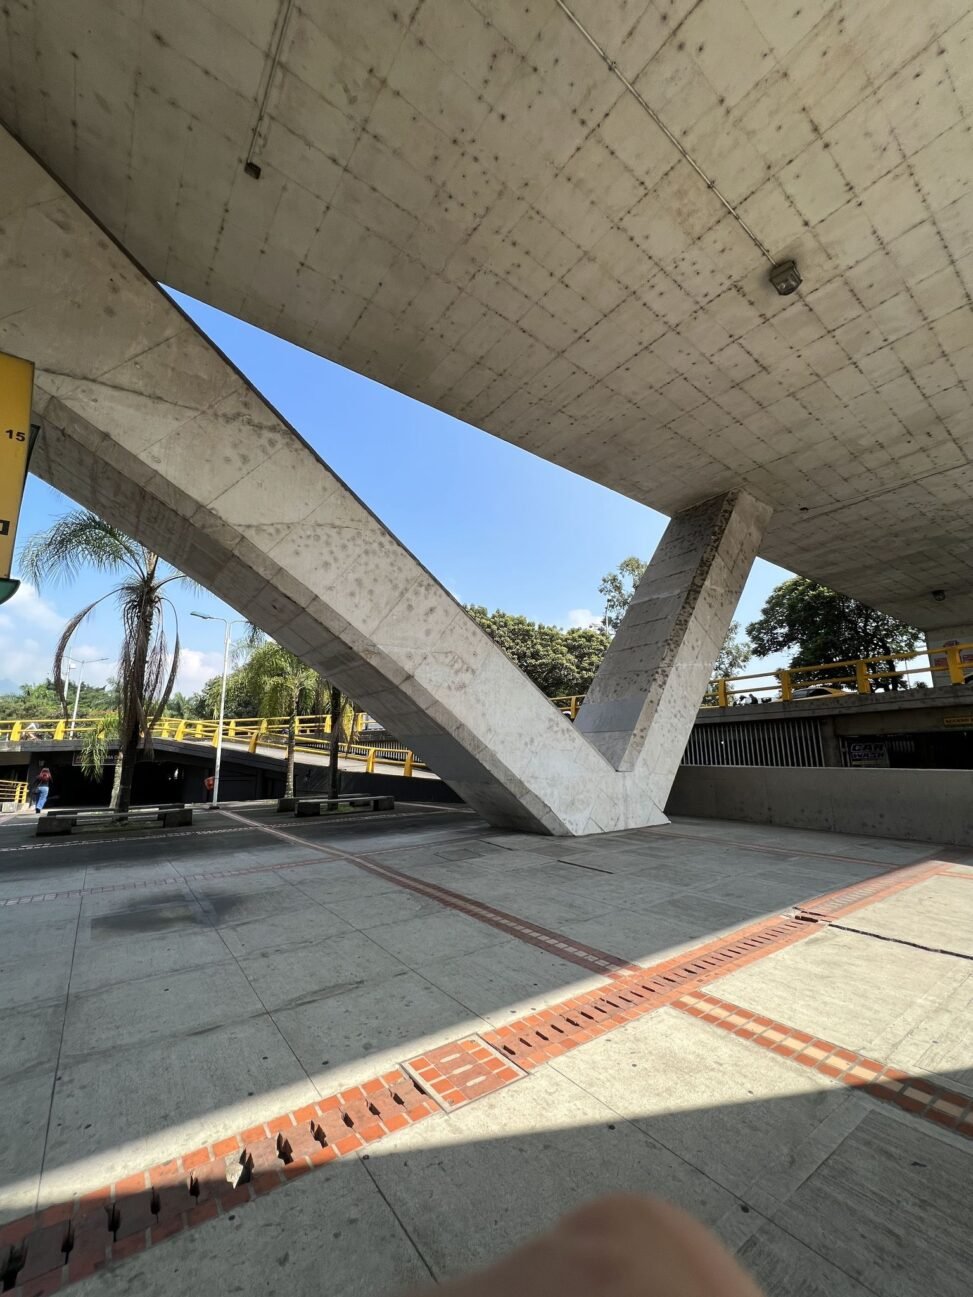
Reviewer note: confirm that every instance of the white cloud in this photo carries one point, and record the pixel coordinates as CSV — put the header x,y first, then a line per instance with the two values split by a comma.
x,y
28,608
30,627
582,618
195,668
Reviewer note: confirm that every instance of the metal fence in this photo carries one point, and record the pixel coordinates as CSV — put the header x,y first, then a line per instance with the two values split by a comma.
x,y
756,743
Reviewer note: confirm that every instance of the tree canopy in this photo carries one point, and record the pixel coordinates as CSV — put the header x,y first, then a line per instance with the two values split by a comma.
x,y
819,625
558,661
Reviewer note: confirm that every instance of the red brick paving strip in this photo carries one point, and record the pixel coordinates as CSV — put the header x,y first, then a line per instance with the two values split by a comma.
x,y
72,1240
846,900
915,1094
555,943
462,1071
560,1027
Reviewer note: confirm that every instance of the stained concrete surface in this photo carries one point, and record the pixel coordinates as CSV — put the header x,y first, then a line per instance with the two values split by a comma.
x,y
140,1023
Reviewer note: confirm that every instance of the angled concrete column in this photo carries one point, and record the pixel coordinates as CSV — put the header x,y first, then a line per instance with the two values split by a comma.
x,y
640,709
146,422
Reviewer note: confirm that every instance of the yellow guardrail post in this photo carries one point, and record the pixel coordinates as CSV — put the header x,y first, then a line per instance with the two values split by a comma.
x,y
59,729
180,731
862,682
575,704
407,765
786,687
252,745
722,699
370,762
15,731
954,664
21,794
232,733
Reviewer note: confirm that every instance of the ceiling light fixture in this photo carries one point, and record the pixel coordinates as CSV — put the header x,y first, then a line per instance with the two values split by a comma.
x,y
784,275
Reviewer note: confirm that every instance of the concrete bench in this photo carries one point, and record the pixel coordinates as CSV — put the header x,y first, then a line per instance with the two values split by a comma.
x,y
302,806
60,823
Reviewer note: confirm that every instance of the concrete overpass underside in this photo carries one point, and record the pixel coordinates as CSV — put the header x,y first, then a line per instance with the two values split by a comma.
x,y
144,421
555,220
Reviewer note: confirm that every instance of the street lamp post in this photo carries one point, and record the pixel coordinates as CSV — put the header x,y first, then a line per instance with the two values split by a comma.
x,y
227,623
77,685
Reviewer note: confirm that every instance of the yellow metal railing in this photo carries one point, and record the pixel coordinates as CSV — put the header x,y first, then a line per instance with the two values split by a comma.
x,y
313,736
856,675
13,790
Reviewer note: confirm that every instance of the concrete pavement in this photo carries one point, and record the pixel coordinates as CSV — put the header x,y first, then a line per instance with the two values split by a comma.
x,y
170,992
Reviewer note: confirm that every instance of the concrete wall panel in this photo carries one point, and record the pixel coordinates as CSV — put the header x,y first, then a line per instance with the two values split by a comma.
x,y
920,805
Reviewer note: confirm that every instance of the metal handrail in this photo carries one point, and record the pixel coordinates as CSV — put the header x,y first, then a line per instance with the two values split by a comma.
x,y
13,790
313,732
858,674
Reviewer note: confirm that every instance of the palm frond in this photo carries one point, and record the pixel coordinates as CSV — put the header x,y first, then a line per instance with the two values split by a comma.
x,y
80,539
61,650
95,744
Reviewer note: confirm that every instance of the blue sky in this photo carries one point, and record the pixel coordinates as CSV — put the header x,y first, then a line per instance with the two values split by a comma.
x,y
496,525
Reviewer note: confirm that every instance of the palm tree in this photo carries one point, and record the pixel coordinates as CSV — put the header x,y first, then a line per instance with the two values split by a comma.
x,y
146,668
284,686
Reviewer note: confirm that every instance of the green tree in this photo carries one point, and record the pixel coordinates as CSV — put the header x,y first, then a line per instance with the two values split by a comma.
x,y
282,686
558,661
586,647
33,702
146,666
619,586
240,700
820,625
735,653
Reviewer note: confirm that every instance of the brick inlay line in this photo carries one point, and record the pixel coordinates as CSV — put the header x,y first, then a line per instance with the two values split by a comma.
x,y
846,900
71,1240
555,943
915,1094
461,1071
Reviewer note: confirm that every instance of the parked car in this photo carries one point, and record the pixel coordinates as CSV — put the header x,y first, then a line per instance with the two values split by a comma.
x,y
821,691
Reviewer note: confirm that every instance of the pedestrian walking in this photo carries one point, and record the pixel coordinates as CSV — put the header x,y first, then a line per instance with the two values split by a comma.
x,y
42,789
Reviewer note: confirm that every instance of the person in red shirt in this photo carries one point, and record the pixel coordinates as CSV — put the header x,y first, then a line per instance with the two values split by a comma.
x,y
42,789
209,783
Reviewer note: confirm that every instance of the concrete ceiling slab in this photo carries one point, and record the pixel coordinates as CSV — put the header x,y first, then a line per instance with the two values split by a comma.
x,y
462,200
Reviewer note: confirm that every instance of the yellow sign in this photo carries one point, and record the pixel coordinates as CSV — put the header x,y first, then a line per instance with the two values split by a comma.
x,y
16,388
958,720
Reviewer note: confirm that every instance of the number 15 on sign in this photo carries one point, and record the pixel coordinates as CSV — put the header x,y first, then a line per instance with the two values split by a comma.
x,y
16,387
